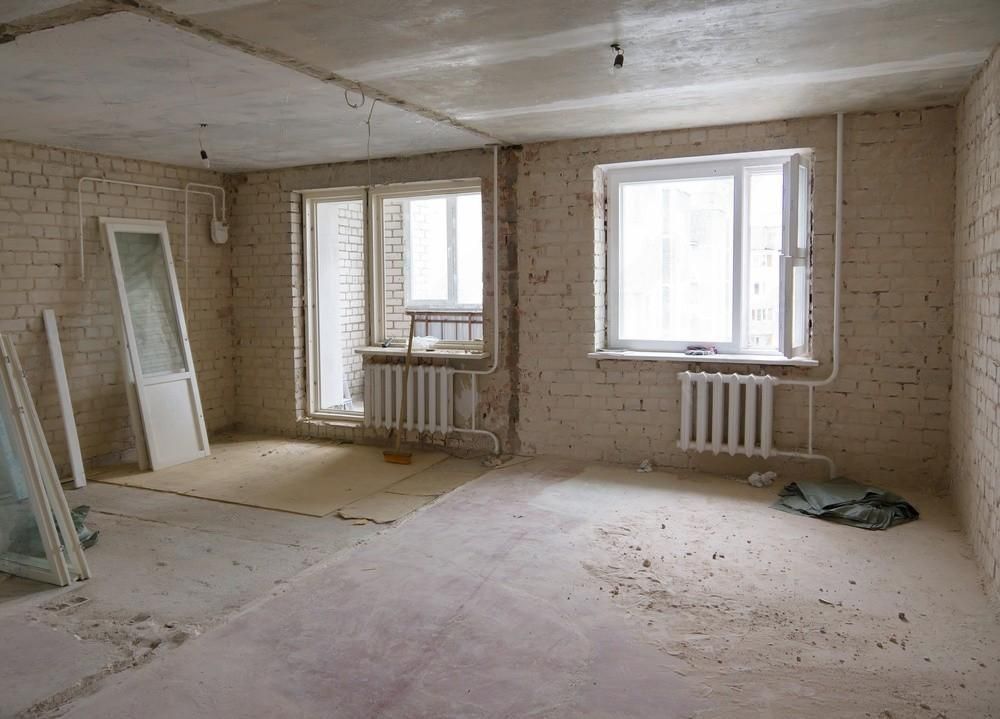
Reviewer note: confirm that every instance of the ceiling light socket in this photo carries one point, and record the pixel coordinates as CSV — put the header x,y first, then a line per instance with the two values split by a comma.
x,y
619,61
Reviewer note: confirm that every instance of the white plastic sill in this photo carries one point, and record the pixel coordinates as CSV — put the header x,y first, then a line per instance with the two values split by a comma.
x,y
334,420
401,351
704,359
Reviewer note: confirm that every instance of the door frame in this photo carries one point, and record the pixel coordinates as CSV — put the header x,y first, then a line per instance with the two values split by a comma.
x,y
310,200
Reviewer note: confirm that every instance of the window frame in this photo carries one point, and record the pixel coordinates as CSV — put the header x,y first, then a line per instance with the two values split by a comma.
x,y
402,191
451,210
738,166
373,261
310,200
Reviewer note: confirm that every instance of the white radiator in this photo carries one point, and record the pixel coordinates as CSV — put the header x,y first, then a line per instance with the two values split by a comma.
x,y
428,406
731,413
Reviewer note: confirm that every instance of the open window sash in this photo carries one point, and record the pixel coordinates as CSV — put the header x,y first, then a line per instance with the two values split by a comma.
x,y
795,258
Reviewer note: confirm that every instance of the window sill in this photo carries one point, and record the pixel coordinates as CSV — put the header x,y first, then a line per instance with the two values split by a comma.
x,y
333,420
703,359
401,352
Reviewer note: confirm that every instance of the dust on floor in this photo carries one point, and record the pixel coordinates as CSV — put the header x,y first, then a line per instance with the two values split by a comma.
x,y
559,589
780,615
166,568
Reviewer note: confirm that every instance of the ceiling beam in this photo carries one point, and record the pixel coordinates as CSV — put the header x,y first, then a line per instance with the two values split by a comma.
x,y
86,9
181,22
66,15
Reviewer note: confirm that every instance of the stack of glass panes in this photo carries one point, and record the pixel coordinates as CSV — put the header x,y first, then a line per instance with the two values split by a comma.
x,y
37,537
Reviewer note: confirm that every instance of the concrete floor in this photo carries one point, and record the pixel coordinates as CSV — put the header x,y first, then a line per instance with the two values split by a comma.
x,y
550,589
166,567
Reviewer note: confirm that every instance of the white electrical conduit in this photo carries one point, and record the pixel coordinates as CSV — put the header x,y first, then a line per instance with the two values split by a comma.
x,y
495,352
186,190
838,242
187,194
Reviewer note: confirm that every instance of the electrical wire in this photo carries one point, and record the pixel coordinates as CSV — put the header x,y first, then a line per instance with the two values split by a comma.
x,y
368,122
352,105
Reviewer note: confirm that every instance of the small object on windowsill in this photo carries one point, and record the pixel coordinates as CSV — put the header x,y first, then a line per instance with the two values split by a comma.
x,y
700,350
424,344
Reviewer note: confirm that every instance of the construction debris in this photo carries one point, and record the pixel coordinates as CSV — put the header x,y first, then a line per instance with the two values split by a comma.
x,y
762,479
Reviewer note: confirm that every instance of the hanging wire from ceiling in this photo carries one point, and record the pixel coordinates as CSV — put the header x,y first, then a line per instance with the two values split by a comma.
x,y
353,105
368,122
368,152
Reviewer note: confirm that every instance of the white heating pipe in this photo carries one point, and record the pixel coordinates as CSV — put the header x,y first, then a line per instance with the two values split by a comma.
x,y
494,363
187,194
186,189
838,242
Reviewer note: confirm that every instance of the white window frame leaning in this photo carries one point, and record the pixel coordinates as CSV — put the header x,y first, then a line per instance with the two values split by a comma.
x,y
796,244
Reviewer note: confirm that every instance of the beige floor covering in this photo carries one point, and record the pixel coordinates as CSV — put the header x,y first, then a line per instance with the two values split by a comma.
x,y
308,477
412,493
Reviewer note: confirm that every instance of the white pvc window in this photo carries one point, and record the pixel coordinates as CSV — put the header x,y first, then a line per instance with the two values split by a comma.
x,y
372,256
443,251
336,301
710,252
428,241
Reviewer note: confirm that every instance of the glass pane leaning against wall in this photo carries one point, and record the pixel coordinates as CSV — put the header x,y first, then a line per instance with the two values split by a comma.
x,y
149,300
30,543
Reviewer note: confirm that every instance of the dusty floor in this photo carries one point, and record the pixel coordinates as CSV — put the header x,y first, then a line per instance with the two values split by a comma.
x,y
166,568
548,589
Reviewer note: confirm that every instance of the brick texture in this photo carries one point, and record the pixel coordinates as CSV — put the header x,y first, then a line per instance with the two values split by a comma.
x,y
975,398
886,416
268,286
40,268
885,419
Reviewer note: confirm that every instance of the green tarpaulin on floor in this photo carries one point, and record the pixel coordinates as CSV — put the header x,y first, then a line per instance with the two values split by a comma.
x,y
847,502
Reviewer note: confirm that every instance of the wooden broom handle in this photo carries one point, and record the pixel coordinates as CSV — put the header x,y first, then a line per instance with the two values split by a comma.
x,y
406,383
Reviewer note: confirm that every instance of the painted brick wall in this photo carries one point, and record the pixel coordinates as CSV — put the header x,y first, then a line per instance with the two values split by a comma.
x,y
884,419
352,293
393,269
40,267
268,285
975,454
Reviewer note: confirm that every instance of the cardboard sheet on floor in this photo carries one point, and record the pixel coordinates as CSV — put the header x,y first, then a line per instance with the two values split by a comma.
x,y
299,476
431,485
384,507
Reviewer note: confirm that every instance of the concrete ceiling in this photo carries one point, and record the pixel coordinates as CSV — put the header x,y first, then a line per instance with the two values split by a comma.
x,y
268,75
125,85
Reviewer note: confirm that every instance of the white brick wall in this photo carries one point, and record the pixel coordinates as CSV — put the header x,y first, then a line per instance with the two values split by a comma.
x,y
39,268
975,397
352,294
885,418
268,285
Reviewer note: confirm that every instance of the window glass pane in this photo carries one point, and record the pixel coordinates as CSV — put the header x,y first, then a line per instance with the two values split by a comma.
x,y
426,229
20,538
799,299
676,260
432,259
150,302
470,250
764,228
339,296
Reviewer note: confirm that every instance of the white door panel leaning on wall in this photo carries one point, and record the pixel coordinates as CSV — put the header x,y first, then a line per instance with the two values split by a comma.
x,y
156,339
